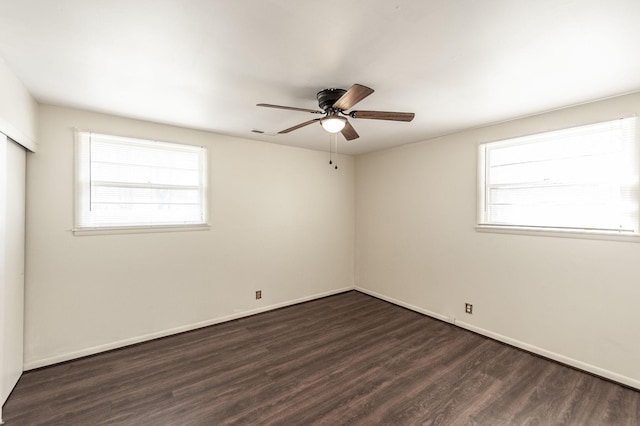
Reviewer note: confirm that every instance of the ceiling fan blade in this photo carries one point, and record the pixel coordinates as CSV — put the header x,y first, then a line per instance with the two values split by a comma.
x,y
349,132
290,108
306,123
355,94
383,115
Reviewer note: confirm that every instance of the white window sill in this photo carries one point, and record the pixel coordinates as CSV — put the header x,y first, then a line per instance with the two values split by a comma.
x,y
112,230
560,233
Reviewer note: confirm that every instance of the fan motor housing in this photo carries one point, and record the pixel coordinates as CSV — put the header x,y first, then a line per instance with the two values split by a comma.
x,y
328,97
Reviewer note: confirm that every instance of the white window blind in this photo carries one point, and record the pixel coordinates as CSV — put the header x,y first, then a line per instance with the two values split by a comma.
x,y
578,179
126,182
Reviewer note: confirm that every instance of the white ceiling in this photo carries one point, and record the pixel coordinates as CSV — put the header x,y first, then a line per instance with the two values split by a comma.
x,y
205,64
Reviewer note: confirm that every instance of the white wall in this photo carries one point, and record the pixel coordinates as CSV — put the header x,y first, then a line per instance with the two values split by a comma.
x,y
18,110
282,221
574,300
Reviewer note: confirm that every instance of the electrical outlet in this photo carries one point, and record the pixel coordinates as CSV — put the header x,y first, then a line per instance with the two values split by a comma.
x,y
258,294
468,308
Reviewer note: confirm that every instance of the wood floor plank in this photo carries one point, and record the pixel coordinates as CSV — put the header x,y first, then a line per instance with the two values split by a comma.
x,y
345,359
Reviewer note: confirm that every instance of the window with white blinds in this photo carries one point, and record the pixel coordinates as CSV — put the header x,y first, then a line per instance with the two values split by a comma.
x,y
582,179
125,182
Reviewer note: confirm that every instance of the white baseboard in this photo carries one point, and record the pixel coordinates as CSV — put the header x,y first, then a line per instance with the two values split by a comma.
x,y
405,305
513,342
139,339
554,356
504,339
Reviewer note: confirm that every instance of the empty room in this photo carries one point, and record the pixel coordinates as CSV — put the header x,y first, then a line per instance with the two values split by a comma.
x,y
297,213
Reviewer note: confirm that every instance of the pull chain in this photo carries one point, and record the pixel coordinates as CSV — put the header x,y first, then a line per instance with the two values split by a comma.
x,y
335,138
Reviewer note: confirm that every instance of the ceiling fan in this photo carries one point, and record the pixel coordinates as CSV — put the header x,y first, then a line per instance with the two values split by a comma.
x,y
334,104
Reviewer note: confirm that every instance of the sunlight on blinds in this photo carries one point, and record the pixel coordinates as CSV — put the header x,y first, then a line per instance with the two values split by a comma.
x,y
583,178
132,182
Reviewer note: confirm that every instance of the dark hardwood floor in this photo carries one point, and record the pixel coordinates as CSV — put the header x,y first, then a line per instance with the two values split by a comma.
x,y
344,359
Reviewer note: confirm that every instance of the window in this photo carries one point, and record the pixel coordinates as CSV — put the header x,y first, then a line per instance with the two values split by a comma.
x,y
133,183
583,179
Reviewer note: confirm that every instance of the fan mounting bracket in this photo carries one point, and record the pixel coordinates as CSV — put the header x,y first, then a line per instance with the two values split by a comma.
x,y
328,97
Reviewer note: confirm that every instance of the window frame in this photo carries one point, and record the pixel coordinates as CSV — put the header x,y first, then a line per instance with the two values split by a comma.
x,y
567,232
81,186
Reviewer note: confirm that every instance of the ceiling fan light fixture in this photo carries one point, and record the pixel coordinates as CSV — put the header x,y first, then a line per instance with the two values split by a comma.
x,y
333,123
333,103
